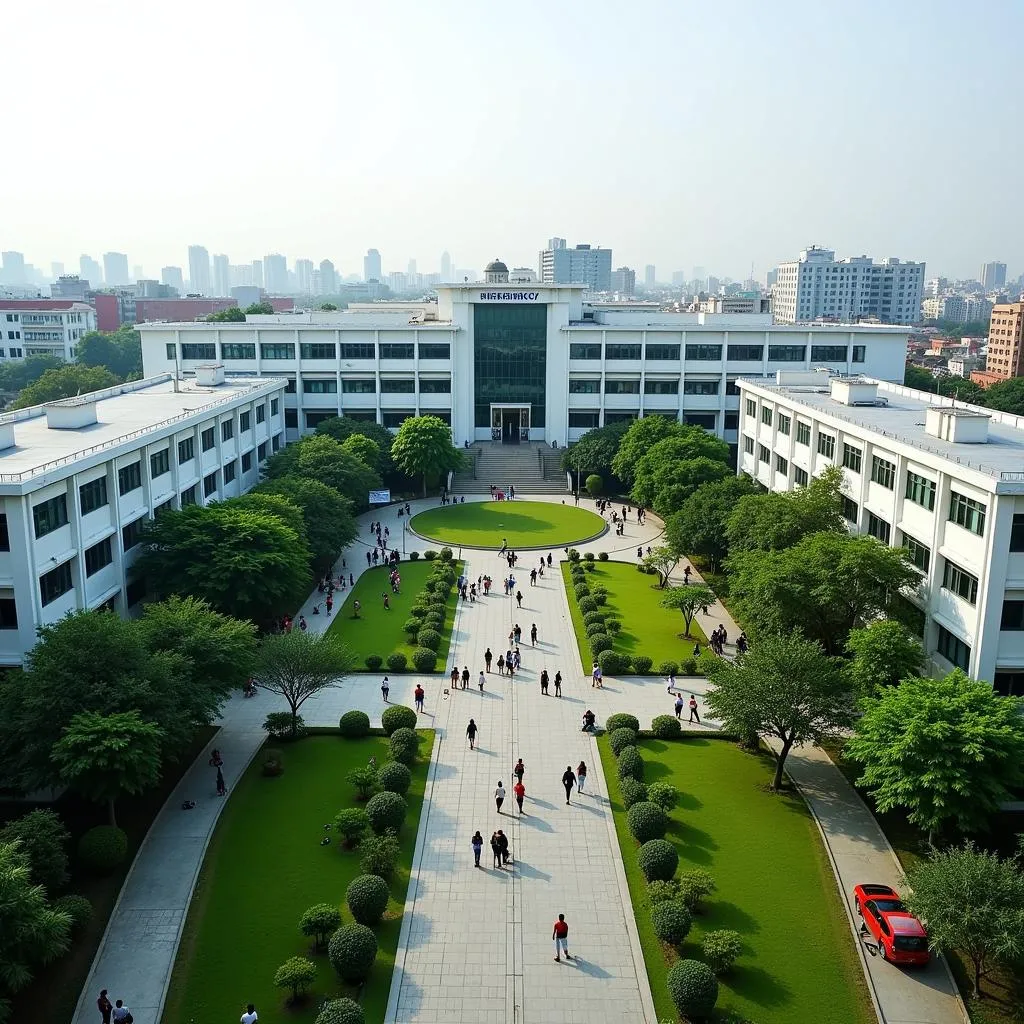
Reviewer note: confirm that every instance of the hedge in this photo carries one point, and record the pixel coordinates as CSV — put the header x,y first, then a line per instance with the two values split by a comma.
x,y
641,663
424,659
404,745
380,855
587,604
374,662
669,668
414,556
354,724
102,848
394,777
397,661
631,764
412,626
657,858
666,727
386,812
341,1011
352,950
600,642
613,662
672,921
633,791
621,719
367,898
593,619
620,739
693,988
646,821
398,716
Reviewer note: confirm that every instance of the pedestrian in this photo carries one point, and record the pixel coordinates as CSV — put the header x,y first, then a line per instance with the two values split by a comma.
x,y
419,693
568,781
581,776
517,633
640,554
499,796
387,601
487,658
477,842
503,847
593,674
454,677
355,609
671,682
560,935
533,634
302,623
679,707
501,664
533,577
520,770
589,718
693,709
519,598
330,604
465,676
104,1005
517,658
250,1016
480,681
495,850
471,732
558,684
520,792
121,1014
696,650
544,682
385,689
221,784
686,574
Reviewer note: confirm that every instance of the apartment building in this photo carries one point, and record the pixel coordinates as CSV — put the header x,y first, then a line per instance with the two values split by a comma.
x,y
1005,355
43,327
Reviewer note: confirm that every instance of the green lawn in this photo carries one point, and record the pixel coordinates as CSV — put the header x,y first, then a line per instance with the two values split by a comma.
x,y
775,886
524,524
635,598
264,867
377,631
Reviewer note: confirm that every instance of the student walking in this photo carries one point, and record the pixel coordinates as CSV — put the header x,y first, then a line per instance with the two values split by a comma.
x,y
544,682
558,684
503,847
519,598
501,664
105,1006
693,709
533,634
679,707
495,850
499,796
419,693
477,842
560,935
465,676
250,1016
385,689
221,785
520,770
581,776
471,731
568,781
120,1014
519,790
480,681
487,658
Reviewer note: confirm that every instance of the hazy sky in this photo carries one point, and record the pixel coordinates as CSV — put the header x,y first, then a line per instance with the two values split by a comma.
x,y
678,133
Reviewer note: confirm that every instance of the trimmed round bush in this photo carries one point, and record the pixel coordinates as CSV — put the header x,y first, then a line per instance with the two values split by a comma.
x,y
695,886
576,570
613,662
590,566
341,1011
666,727
721,948
424,659
445,554
663,794
595,628
589,556
574,555
581,589
593,618
688,667
633,791
587,604
429,555
622,720
397,661
631,764
429,638
659,891
394,777
414,556
669,668
646,821
78,908
435,620
404,745
620,739
693,988
374,662
641,662
279,726
367,898
594,484
439,602
672,921
412,626
386,811
612,626
598,588
380,855
602,556
599,642
431,583
397,716
601,599
354,724
352,950
102,848
657,858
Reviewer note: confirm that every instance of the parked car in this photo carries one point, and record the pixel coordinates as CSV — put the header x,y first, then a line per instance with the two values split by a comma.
x,y
901,938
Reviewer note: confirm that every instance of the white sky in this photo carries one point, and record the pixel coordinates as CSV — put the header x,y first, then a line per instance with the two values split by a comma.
x,y
678,133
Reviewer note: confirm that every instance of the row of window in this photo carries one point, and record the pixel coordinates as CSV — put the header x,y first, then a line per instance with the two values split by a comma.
x,y
651,387
232,351
388,386
615,352
588,419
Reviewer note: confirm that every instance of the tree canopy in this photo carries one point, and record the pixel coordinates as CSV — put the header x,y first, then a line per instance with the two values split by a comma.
x,y
595,450
673,468
689,599
699,526
883,652
423,446
18,374
641,436
260,308
231,315
321,457
365,449
343,427
1006,396
120,352
65,381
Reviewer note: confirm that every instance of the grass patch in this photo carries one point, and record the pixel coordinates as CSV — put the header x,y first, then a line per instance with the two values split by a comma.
x,y
525,524
377,631
775,886
264,867
635,599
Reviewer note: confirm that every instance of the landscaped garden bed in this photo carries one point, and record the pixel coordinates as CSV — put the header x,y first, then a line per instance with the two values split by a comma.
x,y
277,852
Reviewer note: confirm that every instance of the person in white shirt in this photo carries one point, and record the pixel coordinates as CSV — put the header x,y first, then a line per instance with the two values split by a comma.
x,y
120,1012
250,1016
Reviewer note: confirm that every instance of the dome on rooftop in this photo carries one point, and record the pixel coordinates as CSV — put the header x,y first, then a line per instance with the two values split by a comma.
x,y
496,272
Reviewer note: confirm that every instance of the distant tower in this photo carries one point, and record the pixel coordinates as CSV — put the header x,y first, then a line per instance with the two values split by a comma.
x,y
496,273
446,266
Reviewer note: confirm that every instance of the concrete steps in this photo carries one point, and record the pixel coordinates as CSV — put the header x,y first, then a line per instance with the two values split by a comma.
x,y
530,468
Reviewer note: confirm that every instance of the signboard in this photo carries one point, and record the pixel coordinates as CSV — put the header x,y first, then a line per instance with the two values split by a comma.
x,y
504,295
380,497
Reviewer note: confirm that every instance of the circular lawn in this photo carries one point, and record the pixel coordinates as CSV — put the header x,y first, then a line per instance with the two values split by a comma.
x,y
524,524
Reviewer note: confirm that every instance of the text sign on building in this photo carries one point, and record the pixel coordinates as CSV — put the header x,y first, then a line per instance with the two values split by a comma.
x,y
508,296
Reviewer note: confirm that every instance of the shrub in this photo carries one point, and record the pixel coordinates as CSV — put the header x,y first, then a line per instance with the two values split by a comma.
x,y
622,720
352,950
621,738
273,762
646,821
657,858
43,840
664,795
279,726
574,555
429,555
602,556
593,618
102,848
380,855
595,629
428,638
424,659
688,667
445,554
341,1011
397,716
612,626
576,570
589,556
351,824
386,812
693,988
397,661
669,668
666,727
601,599
419,608
695,886
319,921
594,484
631,764
364,779
598,588
394,777
590,566
581,589
599,642
672,921
296,973
587,604
413,625
354,724
367,898
721,948
78,908
633,791
404,745
613,662
374,662
641,663
414,556
435,620
659,891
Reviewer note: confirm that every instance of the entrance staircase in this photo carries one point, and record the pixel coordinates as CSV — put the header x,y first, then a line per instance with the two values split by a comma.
x,y
531,468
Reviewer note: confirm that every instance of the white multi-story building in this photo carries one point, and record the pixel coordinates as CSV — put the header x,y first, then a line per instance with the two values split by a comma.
x,y
959,308
221,275
943,479
510,363
80,477
199,269
49,327
817,285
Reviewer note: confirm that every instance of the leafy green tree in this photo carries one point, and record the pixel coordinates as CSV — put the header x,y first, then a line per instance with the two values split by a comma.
x,y
296,973
365,449
231,315
42,839
327,307
690,599
973,903
594,485
259,308
298,665
103,756
825,585
275,505
423,446
673,468
641,436
785,688
662,560
1006,396
963,329
18,374
319,921
947,750
883,653
918,378
594,451
321,457
699,527
343,427
120,352
65,382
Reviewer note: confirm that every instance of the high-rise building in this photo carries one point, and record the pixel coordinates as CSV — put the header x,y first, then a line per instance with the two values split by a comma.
x,y
56,269
199,270
138,272
371,266
700,274
623,281
173,278
711,285
556,243
961,309
328,278
935,286
678,278
650,276
90,270
304,276
580,265
221,275
398,282
275,273
993,275
411,269
115,269
257,273
817,285
770,278
1005,356
13,268
446,266
69,286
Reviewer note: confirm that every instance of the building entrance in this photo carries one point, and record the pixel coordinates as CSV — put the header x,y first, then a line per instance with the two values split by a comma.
x,y
510,424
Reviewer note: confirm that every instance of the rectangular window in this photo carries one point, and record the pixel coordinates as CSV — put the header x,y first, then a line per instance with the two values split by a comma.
x,y
207,439
397,386
186,450
393,419
245,421
8,613
746,353
622,387
273,406
858,353
98,556
160,463
359,387
92,495
55,583
261,413
227,430
246,462
580,350
261,452
732,420
188,496
919,554
171,352
781,465
920,490
275,442
5,538
319,387
879,528
230,471
132,534
397,350
766,415
617,353
669,352
584,387
703,353
433,350
700,419
748,444
357,350
209,484
1013,616
784,422
194,350
129,478
751,407
967,512
800,476
851,510
314,419
135,591
731,389
584,418
763,454
291,417
277,350
690,387
435,387
960,582
826,445
803,433
50,515
883,472
289,386
1017,532
851,457
828,353
318,350
953,649
237,350
671,387
787,353
164,506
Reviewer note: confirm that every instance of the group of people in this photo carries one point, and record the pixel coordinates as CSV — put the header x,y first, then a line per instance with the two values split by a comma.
x,y
118,1013
717,640
680,704
449,499
508,494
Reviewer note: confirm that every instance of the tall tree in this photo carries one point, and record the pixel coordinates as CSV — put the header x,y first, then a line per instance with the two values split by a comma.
x,y
947,750
297,666
103,756
365,449
883,653
321,457
273,504
65,382
231,315
693,598
120,352
343,427
18,374
699,527
1006,396
594,451
673,468
918,378
423,446
662,560
641,436
785,688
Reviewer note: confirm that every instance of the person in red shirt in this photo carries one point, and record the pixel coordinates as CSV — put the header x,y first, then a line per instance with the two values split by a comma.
x,y
560,934
105,1006
419,693
520,792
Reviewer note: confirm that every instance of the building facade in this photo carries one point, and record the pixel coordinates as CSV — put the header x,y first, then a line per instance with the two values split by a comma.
x,y
115,269
199,270
43,327
372,270
961,309
1005,355
624,281
818,286
942,479
582,264
79,478
993,276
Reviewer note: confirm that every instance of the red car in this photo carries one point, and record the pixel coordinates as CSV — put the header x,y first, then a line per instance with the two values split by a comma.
x,y
900,936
